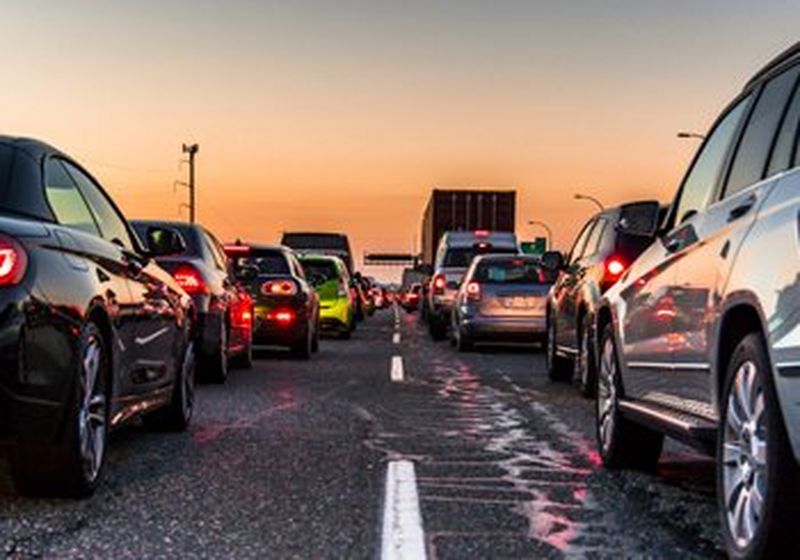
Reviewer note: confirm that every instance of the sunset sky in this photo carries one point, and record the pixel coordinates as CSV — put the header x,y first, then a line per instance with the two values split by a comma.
x,y
341,115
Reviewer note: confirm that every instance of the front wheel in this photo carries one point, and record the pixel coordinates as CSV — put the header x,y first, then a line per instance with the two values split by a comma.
x,y
621,443
757,478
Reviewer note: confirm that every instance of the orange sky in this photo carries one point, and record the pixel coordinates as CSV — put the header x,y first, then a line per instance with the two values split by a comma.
x,y
312,116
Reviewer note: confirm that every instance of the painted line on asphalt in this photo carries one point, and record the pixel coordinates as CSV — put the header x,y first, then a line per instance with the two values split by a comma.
x,y
397,373
403,537
396,338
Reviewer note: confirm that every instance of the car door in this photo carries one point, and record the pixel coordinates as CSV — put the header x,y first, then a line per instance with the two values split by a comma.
x,y
715,237
157,308
660,303
565,290
103,263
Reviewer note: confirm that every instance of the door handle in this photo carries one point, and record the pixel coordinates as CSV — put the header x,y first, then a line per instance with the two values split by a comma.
x,y
742,209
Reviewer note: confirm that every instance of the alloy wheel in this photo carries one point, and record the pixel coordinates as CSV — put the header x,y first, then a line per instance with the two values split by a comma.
x,y
92,409
607,394
744,455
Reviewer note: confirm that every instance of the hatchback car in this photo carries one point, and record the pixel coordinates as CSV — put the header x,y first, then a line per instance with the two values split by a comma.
x,y
502,299
330,279
224,310
602,251
92,334
453,257
410,298
286,309
700,338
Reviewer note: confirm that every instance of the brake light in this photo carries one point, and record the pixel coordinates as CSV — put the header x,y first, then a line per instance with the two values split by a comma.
x,y
481,233
614,268
473,291
279,288
189,278
13,262
439,283
282,317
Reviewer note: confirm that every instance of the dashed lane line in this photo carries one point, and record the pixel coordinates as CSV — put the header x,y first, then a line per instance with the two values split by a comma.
x,y
397,374
403,537
396,338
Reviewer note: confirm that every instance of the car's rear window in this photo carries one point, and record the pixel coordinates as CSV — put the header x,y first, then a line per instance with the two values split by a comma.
x,y
267,262
320,269
188,234
511,271
461,257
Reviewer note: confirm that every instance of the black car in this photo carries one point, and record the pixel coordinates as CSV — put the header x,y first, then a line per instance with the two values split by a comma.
x,y
224,310
92,332
286,307
600,255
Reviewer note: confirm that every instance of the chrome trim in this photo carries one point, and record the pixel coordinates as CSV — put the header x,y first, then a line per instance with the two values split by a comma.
x,y
672,366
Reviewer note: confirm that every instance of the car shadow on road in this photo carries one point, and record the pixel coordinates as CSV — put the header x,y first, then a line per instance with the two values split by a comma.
x,y
508,348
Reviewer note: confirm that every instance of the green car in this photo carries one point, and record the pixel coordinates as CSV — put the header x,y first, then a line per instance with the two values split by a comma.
x,y
329,277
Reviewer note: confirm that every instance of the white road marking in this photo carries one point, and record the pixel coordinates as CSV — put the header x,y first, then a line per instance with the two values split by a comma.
x,y
397,373
403,537
396,338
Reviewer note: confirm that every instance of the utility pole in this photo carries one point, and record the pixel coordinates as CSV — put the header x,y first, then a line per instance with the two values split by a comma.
x,y
192,150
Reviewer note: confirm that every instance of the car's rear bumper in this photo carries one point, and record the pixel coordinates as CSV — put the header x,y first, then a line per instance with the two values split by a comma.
x,y
504,328
270,332
335,312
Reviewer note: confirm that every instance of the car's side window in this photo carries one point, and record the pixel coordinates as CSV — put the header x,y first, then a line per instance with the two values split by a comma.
x,y
783,154
580,242
298,268
701,181
112,225
211,247
66,201
593,243
750,160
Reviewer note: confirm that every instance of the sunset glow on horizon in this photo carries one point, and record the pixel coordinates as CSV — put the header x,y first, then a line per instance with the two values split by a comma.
x,y
343,116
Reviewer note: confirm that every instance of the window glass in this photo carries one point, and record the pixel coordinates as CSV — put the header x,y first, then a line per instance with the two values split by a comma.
x,y
320,270
66,201
511,271
593,243
751,155
267,262
211,247
461,257
112,225
702,179
580,242
785,144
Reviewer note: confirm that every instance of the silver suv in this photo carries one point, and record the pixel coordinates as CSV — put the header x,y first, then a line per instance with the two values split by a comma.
x,y
700,339
453,257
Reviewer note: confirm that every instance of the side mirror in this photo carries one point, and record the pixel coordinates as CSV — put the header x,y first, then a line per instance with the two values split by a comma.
x,y
641,219
553,260
164,242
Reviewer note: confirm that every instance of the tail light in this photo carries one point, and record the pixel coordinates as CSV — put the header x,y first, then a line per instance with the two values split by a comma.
x,y
242,312
282,316
439,284
342,291
473,291
13,262
279,288
614,269
190,279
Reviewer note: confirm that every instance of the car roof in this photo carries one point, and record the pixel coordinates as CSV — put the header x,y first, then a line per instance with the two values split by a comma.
x,y
779,62
33,147
470,238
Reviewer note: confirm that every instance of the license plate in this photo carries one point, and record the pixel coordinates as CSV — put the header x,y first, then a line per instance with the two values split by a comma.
x,y
518,302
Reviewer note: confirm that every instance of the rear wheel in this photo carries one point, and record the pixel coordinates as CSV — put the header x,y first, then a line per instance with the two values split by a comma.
x,y
757,477
585,368
72,466
437,328
622,443
302,348
214,366
464,342
315,340
558,367
245,359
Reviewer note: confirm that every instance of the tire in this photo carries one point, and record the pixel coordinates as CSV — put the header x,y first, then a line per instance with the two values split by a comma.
x,y
621,443
214,367
464,342
315,340
301,350
771,473
176,416
73,465
346,334
437,328
245,359
585,365
558,368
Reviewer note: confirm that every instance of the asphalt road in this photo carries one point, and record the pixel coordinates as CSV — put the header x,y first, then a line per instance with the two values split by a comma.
x,y
289,460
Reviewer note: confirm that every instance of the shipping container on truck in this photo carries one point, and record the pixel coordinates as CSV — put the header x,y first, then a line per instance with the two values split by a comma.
x,y
465,210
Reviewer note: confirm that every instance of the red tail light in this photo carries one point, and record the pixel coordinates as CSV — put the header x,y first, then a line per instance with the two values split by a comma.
x,y
282,316
279,288
189,278
242,312
473,291
614,268
439,283
13,262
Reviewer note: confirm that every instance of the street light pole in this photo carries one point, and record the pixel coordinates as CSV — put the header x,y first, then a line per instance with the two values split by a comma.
x,y
592,199
192,151
691,135
546,228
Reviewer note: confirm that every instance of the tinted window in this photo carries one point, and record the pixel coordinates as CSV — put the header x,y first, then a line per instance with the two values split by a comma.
x,y
461,257
319,270
112,226
750,161
702,179
512,271
267,262
66,201
785,144
577,248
